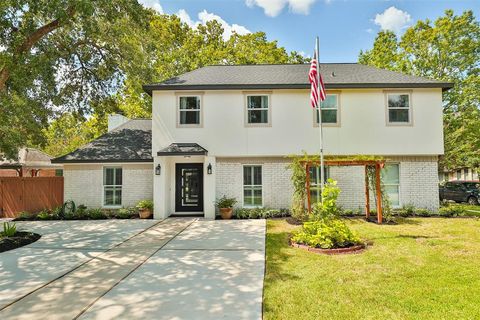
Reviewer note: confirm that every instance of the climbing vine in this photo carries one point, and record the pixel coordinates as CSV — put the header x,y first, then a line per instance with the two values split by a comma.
x,y
386,205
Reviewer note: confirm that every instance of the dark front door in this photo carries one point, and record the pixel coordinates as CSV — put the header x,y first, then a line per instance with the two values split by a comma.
x,y
189,187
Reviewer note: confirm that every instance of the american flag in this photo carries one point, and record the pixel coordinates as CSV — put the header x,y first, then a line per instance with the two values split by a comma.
x,y
312,76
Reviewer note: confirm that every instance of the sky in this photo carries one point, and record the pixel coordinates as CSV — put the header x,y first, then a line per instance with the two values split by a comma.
x,y
344,26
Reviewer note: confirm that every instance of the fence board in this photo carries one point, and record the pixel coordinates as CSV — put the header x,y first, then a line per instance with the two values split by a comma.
x,y
30,194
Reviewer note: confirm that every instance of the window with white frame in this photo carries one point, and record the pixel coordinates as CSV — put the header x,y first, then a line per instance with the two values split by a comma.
x,y
398,105
252,186
112,186
329,108
391,181
315,185
258,109
189,110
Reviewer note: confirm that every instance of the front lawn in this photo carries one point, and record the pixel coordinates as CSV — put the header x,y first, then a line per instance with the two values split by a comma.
x,y
423,268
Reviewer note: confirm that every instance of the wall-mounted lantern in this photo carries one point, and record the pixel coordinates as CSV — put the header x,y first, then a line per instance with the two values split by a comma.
x,y
209,168
158,169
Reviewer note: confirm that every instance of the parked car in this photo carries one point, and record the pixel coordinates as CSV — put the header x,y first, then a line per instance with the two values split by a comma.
x,y
461,191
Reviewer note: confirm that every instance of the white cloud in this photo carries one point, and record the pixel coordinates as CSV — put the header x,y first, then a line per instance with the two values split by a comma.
x,y
205,16
393,19
154,4
272,8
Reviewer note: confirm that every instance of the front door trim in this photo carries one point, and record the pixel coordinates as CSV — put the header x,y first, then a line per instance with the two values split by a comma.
x,y
179,206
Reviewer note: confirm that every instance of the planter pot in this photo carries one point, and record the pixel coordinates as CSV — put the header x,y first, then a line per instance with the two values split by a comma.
x,y
226,213
144,213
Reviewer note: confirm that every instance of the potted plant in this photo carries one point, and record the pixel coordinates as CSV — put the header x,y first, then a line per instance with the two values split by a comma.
x,y
225,206
145,209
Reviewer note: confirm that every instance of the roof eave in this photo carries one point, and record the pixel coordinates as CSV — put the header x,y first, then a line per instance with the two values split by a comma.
x,y
441,85
63,161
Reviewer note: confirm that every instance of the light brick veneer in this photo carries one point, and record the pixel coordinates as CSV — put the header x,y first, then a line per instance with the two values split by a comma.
x,y
418,181
84,184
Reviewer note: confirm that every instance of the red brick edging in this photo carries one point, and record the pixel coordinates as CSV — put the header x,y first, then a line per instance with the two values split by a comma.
x,y
353,249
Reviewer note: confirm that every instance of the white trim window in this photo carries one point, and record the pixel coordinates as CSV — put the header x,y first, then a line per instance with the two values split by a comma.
x,y
112,186
189,110
391,181
315,186
329,109
258,109
398,108
252,186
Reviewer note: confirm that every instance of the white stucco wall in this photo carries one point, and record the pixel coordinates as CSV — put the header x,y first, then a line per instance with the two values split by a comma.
x,y
362,129
418,182
83,183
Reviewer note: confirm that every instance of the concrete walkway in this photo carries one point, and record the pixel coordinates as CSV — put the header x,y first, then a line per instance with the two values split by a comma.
x,y
176,268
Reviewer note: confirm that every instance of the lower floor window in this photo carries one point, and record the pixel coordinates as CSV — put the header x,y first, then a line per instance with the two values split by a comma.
x,y
112,186
391,181
252,186
315,186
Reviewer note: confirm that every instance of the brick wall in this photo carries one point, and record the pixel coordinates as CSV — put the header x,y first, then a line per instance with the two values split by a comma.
x,y
84,184
418,182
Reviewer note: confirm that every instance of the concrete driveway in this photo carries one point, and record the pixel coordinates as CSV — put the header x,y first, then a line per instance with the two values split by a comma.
x,y
123,269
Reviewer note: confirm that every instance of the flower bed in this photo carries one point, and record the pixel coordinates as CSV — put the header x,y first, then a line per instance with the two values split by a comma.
x,y
353,249
19,239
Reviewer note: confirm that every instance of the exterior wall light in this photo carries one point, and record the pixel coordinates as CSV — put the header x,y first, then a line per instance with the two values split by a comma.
x,y
209,168
158,169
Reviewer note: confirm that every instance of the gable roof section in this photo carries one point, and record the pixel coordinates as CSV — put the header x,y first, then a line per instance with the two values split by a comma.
x,y
28,157
292,76
130,142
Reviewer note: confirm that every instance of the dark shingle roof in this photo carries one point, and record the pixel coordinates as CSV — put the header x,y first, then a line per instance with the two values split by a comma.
x,y
130,142
182,149
292,76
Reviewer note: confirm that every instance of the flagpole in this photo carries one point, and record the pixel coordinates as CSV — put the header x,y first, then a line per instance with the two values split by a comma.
x,y
320,125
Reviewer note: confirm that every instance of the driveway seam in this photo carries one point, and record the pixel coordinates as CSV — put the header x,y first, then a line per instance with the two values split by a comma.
x,y
77,267
133,270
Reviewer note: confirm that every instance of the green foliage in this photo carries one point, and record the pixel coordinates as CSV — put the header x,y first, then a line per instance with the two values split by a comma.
x,y
299,181
96,214
145,204
387,212
9,229
328,208
225,202
46,215
451,211
447,49
326,234
260,213
126,213
25,216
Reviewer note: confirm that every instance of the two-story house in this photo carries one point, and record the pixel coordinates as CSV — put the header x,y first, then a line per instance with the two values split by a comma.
x,y
228,130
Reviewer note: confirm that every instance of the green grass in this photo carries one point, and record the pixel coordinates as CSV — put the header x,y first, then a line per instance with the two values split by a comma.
x,y
423,268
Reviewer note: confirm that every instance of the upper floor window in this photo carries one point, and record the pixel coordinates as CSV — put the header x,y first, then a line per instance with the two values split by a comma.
x,y
258,109
112,186
398,105
189,110
329,108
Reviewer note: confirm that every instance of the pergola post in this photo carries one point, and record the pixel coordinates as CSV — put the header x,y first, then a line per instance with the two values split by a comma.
x,y
379,193
309,200
367,194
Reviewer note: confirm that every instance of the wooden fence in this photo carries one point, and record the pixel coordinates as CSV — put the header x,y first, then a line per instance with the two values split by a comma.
x,y
30,194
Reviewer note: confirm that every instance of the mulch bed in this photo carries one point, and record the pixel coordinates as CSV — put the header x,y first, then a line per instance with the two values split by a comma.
x,y
353,249
20,239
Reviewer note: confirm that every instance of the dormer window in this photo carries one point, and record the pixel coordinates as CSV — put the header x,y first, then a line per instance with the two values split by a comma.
x,y
398,108
189,111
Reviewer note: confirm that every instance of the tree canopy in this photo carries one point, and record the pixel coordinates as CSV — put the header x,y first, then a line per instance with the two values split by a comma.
x,y
447,49
66,64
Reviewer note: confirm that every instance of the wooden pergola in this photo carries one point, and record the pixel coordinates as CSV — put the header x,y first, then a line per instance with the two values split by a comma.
x,y
378,164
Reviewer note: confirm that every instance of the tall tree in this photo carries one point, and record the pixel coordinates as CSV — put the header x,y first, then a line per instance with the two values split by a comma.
x,y
448,50
58,54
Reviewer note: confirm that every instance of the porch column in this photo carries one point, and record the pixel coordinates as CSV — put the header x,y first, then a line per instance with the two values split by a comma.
x,y
160,189
209,188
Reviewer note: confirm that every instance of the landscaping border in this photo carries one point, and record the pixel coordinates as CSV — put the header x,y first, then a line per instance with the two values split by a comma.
x,y
349,250
20,239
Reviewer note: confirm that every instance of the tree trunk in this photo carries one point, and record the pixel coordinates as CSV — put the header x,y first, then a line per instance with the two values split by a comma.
x,y
29,42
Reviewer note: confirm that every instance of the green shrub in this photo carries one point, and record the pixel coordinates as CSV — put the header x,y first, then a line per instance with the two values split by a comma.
x,y
80,214
451,211
328,208
9,229
423,212
44,215
96,214
225,202
326,234
126,213
260,213
145,204
25,216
